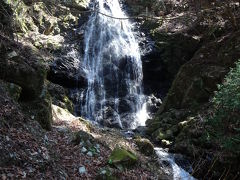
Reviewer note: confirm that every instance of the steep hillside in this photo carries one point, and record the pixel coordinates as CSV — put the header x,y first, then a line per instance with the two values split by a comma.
x,y
189,51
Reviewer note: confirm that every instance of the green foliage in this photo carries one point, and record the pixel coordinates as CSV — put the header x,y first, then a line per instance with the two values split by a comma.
x,y
228,96
226,119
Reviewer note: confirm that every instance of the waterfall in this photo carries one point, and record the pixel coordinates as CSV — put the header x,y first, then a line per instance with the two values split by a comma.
x,y
112,62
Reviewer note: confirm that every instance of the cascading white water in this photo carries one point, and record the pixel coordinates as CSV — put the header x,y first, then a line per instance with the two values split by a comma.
x,y
170,166
114,69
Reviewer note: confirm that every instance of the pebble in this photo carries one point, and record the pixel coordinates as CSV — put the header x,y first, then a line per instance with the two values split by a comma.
x,y
82,170
12,54
83,150
4,177
7,138
45,138
103,172
90,153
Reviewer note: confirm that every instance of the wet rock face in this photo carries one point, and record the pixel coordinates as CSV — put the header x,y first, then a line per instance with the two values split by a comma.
x,y
153,104
60,97
190,93
68,72
160,66
198,79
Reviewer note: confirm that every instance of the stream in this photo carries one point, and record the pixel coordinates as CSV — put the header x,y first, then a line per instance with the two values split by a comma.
x,y
169,166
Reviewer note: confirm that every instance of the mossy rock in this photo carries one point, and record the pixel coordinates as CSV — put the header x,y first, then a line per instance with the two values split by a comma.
x,y
40,109
153,125
145,146
77,4
159,135
88,124
14,91
82,136
59,96
44,115
106,173
166,143
43,110
68,104
122,157
28,73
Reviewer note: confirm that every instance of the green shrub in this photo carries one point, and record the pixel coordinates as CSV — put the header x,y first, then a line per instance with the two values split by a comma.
x,y
225,121
227,97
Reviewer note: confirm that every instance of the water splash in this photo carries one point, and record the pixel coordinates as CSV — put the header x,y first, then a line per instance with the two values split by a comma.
x,y
170,167
114,69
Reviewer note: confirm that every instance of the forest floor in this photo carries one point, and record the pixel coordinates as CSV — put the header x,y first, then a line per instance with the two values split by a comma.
x,y
29,152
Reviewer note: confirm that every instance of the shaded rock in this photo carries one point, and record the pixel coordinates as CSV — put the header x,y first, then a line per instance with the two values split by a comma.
x,y
124,105
121,156
140,131
60,96
67,71
44,113
106,173
26,70
198,78
145,146
166,121
187,104
40,109
82,136
110,118
161,64
14,91
139,7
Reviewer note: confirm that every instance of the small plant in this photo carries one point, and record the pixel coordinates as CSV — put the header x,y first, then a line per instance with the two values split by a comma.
x,y
226,119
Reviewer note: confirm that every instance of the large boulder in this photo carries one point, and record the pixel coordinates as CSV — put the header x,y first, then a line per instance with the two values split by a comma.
x,y
123,157
145,146
25,69
82,137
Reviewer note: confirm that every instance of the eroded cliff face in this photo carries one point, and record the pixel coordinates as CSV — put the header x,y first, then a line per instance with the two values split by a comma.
x,y
197,80
180,123
35,35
